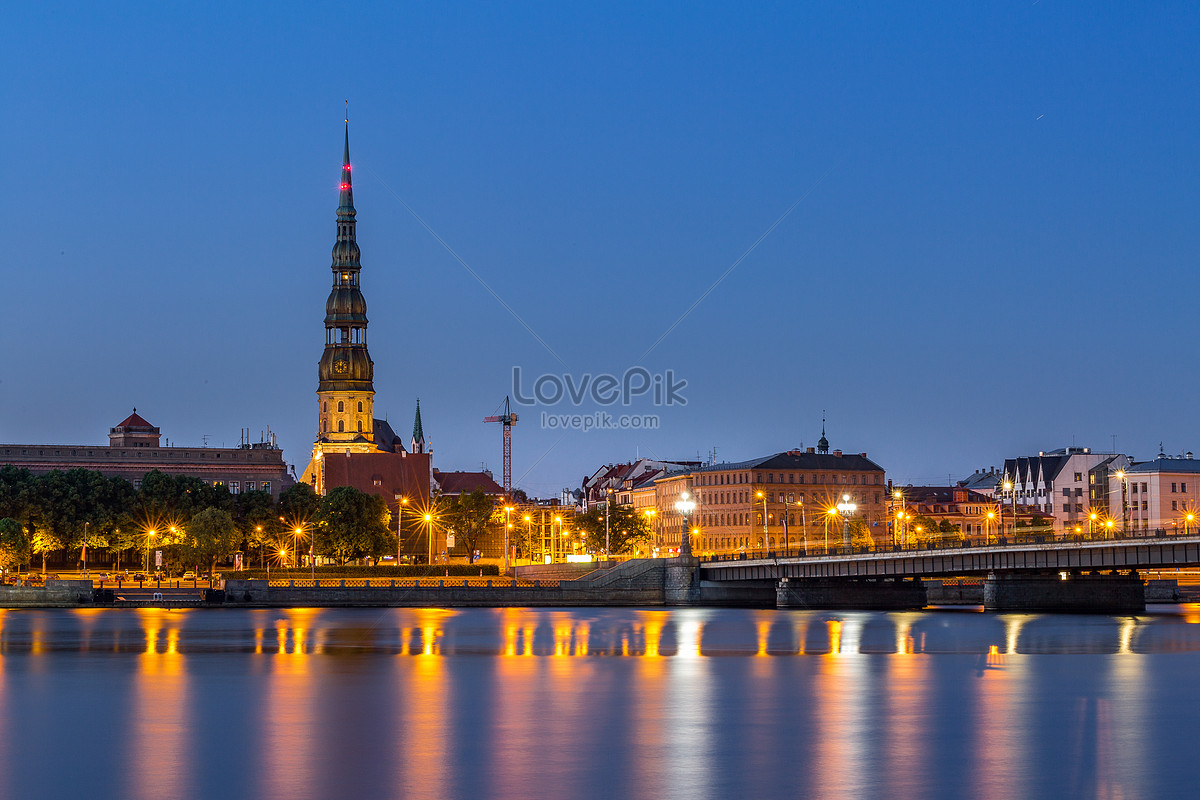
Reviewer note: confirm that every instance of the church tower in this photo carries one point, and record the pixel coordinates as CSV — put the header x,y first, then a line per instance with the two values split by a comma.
x,y
345,392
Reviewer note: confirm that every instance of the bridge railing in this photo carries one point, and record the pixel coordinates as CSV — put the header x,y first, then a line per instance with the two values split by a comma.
x,y
1019,539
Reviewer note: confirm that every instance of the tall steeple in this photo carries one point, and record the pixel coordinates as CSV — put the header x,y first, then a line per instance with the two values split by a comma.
x,y
345,389
418,437
822,443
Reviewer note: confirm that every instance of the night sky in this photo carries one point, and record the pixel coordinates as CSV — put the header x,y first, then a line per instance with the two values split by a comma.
x,y
994,250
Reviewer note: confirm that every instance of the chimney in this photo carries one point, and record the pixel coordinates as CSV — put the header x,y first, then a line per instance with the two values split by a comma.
x,y
837,453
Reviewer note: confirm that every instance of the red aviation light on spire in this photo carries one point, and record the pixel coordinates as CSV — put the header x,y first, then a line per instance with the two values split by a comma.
x,y
345,186
346,167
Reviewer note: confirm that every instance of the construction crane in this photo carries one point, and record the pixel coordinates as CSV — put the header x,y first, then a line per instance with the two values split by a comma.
x,y
506,419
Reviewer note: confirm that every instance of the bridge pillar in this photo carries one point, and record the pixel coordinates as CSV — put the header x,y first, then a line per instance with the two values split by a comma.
x,y
858,593
1065,592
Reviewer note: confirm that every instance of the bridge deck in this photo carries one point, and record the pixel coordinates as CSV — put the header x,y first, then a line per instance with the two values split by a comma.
x,y
1120,554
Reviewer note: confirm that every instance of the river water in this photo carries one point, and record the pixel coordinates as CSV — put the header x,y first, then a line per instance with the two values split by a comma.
x,y
603,703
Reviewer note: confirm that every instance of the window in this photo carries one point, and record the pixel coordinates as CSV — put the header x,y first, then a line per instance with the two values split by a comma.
x,y
1078,476
360,426
266,486
249,486
1134,490
341,406
1078,492
1143,487
1092,478
1079,507
1183,487
1067,508
360,406
325,407
1174,505
1145,505
1066,492
341,425
235,487
1172,488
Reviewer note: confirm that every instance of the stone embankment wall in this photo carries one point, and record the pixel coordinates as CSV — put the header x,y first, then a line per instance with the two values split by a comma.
x,y
55,594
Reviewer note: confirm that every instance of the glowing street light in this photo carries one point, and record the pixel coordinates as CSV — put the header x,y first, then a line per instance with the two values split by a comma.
x,y
507,528
401,502
685,505
846,508
988,534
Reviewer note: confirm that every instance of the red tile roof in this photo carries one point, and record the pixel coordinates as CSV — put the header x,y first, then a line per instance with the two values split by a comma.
x,y
466,482
396,473
134,421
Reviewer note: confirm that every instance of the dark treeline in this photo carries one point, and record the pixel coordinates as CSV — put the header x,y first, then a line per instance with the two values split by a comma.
x,y
196,525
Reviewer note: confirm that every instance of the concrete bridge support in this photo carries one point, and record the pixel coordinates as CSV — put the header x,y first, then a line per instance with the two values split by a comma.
x,y
1065,592
857,593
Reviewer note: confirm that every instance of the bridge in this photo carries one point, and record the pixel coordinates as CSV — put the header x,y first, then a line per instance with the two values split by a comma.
x,y
1046,573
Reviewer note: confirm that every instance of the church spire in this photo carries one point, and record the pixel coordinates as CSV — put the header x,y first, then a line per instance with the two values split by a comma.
x,y
418,437
822,443
346,204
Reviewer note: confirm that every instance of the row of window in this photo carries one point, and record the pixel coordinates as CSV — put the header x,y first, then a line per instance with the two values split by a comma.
x,y
155,452
341,407
725,478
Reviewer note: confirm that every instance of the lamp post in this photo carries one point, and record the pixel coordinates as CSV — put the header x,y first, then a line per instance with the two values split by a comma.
x,y
555,545
803,526
1187,523
529,537
846,508
763,497
830,512
150,534
507,528
898,538
1124,485
429,536
988,534
403,501
607,503
1109,525
1008,487
685,505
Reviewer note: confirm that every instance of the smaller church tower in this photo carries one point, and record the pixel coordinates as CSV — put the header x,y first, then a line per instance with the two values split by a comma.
x,y
418,437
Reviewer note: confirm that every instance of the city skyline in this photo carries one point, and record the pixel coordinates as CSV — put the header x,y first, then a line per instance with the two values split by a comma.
x,y
600,186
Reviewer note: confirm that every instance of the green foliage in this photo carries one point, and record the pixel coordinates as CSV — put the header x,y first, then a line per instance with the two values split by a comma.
x,y
351,524
627,529
14,544
469,517
209,536
299,503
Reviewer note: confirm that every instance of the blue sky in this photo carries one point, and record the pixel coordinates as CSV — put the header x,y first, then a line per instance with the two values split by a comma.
x,y
994,250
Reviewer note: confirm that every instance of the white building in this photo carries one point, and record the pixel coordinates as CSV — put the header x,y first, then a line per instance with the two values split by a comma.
x,y
1068,485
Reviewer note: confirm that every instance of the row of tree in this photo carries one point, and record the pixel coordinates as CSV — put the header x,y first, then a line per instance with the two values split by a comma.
x,y
199,525
194,523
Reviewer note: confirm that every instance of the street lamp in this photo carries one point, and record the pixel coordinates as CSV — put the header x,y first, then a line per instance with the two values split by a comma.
x,y
403,501
1187,522
1124,486
507,528
763,497
1008,487
1092,523
429,536
150,534
555,544
1109,524
988,534
846,508
685,505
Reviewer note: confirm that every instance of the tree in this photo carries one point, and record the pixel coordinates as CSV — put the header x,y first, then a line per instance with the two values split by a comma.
x,y
14,544
627,529
299,503
210,535
469,517
351,524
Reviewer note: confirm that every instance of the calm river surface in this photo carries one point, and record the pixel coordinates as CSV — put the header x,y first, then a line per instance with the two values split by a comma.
x,y
605,703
